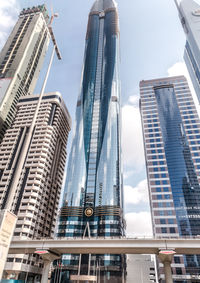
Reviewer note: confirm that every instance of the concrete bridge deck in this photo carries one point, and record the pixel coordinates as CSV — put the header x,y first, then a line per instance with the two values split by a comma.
x,y
107,246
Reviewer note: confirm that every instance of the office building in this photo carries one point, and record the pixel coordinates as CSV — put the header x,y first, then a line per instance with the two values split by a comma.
x,y
93,199
140,269
21,60
171,129
189,12
38,191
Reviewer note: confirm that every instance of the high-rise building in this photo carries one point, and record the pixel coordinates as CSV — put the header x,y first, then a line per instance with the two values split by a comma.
x,y
93,199
171,130
189,12
21,60
37,196
140,269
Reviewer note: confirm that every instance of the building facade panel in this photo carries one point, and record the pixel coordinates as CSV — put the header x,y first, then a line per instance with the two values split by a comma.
x,y
38,191
21,60
190,19
93,201
171,139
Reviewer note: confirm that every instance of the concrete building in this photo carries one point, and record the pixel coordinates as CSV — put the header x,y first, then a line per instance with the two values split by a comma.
x,y
171,129
21,60
93,199
189,12
140,269
38,191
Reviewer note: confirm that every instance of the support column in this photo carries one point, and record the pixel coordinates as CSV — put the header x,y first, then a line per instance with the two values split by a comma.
x,y
166,258
48,257
45,271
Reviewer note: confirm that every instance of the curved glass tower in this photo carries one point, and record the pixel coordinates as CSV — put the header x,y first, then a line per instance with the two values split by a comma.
x,y
93,197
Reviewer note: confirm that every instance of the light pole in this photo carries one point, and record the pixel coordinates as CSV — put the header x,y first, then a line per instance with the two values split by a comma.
x,y
7,218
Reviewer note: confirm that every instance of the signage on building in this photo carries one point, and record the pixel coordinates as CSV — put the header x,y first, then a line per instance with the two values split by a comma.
x,y
4,83
7,225
83,278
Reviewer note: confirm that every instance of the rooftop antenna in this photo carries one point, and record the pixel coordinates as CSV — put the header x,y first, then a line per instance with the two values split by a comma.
x,y
54,15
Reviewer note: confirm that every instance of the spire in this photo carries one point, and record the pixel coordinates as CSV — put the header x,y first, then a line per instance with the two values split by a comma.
x,y
101,5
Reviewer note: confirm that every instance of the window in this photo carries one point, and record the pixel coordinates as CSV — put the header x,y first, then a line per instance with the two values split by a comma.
x,y
162,221
164,230
172,230
164,175
171,221
179,271
167,196
177,259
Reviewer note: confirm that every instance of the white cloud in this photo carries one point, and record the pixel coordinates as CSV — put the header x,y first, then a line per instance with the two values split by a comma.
x,y
179,69
138,224
138,194
9,10
132,140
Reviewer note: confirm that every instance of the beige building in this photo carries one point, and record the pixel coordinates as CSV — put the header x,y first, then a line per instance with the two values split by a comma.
x,y
21,60
140,269
38,191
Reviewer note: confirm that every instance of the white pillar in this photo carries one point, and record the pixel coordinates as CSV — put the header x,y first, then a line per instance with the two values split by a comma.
x,y
166,258
168,272
45,272
48,257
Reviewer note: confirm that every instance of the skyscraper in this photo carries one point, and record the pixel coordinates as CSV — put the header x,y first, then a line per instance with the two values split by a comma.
x,y
189,12
93,200
21,60
38,191
171,130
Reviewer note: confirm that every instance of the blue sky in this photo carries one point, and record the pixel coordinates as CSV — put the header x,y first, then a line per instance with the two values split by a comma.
x,y
152,44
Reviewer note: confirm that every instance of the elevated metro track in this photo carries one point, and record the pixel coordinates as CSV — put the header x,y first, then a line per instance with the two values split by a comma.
x,y
106,246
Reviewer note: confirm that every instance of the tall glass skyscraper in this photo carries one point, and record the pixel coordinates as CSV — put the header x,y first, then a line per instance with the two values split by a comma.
x,y
93,199
171,129
189,12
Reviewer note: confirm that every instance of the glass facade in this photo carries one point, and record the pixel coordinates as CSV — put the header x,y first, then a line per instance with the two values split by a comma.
x,y
193,68
182,175
191,25
171,129
93,198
